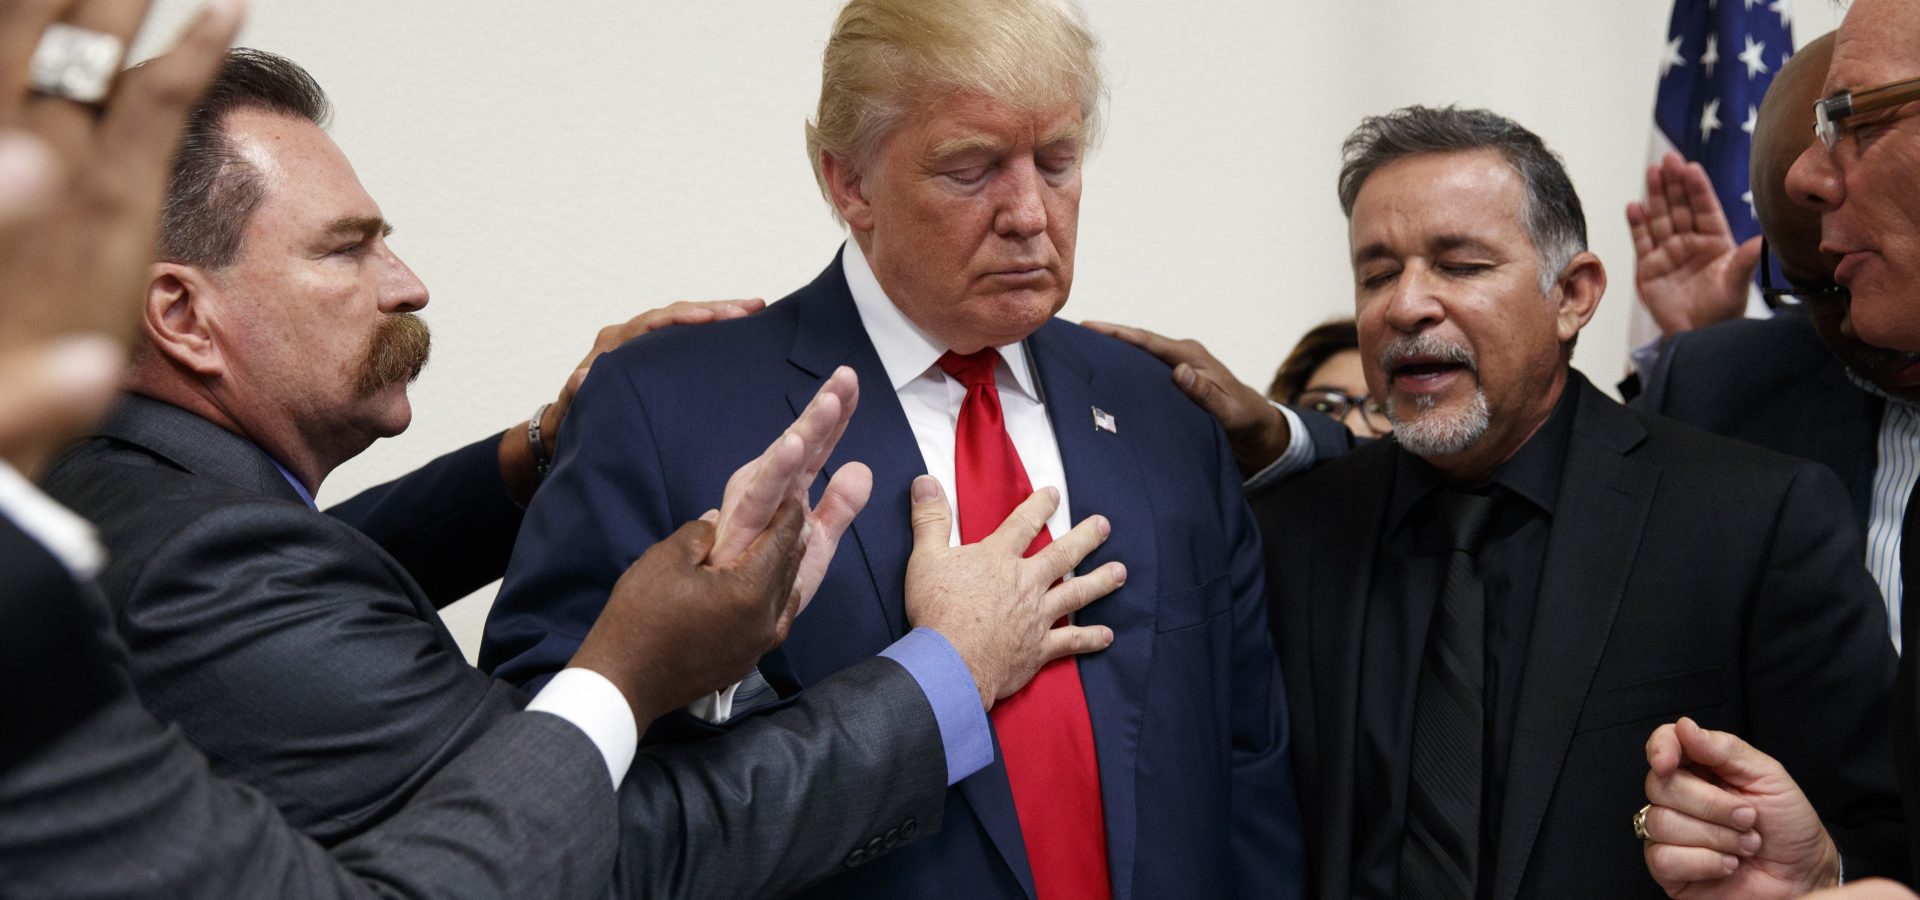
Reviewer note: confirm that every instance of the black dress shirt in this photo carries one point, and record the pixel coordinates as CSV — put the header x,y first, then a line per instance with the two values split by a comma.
x,y
1400,602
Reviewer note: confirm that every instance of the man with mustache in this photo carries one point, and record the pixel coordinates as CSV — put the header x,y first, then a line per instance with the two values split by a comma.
x,y
1483,618
302,652
951,138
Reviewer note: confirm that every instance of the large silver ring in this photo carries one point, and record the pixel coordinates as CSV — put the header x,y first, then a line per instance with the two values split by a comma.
x,y
75,63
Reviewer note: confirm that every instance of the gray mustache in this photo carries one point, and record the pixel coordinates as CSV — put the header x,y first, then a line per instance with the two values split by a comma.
x,y
1425,346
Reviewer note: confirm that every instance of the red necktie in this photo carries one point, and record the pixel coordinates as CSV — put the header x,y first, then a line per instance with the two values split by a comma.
x,y
1046,736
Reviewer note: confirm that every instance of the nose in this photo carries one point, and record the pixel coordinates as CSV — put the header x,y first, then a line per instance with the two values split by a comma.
x,y
1413,304
1021,204
1815,181
400,290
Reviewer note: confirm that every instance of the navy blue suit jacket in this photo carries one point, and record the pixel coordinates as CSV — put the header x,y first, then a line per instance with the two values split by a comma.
x,y
1189,716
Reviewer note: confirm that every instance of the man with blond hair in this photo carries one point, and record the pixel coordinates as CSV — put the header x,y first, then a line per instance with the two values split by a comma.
x,y
950,140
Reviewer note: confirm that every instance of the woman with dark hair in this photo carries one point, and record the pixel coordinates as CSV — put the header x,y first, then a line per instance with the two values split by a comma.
x,y
1323,373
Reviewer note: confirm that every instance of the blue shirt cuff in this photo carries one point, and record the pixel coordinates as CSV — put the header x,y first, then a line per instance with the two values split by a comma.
x,y
944,677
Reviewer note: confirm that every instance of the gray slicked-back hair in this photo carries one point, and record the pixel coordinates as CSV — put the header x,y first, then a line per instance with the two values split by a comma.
x,y
1553,215
213,191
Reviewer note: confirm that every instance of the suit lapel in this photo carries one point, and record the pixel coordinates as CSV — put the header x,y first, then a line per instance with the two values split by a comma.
x,y
829,333
1605,496
1340,556
1103,477
196,445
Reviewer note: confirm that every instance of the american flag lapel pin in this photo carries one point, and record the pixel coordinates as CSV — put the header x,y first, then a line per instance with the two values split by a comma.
x,y
1103,421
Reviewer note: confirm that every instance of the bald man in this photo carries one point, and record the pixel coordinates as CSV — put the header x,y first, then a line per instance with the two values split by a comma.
x,y
1798,383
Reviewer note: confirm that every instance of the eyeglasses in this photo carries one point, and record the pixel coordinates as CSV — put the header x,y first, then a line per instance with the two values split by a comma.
x,y
1821,296
1337,403
1829,113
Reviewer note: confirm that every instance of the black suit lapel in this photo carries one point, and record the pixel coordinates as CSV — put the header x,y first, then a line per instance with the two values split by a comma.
x,y
1605,496
1339,556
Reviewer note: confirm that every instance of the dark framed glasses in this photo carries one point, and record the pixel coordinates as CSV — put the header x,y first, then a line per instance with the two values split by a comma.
x,y
1826,294
1337,403
1829,114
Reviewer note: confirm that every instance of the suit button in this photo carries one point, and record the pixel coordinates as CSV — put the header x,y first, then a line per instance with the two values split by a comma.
x,y
874,847
907,830
891,840
855,858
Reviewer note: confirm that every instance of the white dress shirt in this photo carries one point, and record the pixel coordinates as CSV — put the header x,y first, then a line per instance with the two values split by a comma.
x,y
931,398
585,698
1896,469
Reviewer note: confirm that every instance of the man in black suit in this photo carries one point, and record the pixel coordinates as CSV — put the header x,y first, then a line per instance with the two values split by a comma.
x,y
1488,614
1799,383
306,657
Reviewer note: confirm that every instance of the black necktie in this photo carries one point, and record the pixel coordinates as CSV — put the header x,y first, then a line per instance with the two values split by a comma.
x,y
1440,849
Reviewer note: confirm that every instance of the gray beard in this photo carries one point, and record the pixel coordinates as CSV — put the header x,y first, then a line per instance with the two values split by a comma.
x,y
1431,432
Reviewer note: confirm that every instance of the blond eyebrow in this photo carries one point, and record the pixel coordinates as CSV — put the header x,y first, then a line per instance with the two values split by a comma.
x,y
1069,133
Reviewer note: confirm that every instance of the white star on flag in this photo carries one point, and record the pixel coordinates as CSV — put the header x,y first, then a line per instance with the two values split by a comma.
x,y
1784,10
1751,56
1748,196
1709,119
1752,3
1712,55
1673,57
1753,119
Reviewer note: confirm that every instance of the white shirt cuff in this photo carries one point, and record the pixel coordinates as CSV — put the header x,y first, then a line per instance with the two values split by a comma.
x,y
715,708
591,702
1298,456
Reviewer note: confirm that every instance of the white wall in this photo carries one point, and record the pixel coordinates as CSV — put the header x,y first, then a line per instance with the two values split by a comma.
x,y
561,165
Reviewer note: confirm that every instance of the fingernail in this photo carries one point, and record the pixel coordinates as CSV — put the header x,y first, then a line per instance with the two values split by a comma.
x,y
1119,573
1183,375
712,515
925,489
1103,526
1750,843
26,172
1743,817
1106,633
1729,862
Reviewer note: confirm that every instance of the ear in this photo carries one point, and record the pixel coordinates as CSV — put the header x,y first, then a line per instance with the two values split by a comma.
x,y
177,319
1581,284
848,189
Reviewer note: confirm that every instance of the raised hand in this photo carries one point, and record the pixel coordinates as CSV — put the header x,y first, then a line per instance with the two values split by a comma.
x,y
1686,265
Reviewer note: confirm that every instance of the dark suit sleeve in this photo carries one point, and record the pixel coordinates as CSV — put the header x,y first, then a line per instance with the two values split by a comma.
x,y
1823,671
1330,440
1656,383
451,522
785,799
602,506
296,656
122,806
1268,845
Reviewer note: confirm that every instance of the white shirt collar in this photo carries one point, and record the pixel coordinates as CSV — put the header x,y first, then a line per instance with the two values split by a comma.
x,y
907,352
68,537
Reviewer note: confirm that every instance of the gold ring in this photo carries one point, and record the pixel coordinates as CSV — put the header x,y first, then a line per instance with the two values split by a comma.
x,y
1640,824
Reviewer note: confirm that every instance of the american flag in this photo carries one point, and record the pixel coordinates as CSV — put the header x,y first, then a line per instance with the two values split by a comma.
x,y
1719,58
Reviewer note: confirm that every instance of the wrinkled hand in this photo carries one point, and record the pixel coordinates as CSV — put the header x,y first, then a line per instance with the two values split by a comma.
x,y
785,472
1728,821
1257,432
83,265
1688,269
996,608
677,628
1870,889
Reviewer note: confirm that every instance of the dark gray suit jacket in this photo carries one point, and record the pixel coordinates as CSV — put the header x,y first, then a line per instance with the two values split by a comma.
x,y
305,660
103,800
1686,574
